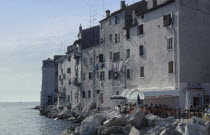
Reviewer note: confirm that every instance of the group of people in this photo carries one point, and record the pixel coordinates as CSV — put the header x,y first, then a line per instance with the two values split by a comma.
x,y
159,110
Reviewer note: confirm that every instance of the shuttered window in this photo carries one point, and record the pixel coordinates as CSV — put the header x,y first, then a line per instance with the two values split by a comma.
x,y
168,20
170,43
140,29
142,71
116,56
171,67
101,58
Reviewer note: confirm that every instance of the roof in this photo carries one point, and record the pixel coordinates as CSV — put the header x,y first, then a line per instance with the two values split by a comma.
x,y
156,7
90,37
138,7
62,58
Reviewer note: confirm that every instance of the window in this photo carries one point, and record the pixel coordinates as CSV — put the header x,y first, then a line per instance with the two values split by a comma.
x,y
116,38
116,56
83,94
89,94
128,73
110,55
167,20
69,58
170,43
141,71
110,74
171,67
140,29
101,58
116,75
141,50
102,98
116,19
83,76
64,76
206,99
110,37
68,98
154,3
102,76
128,34
90,75
142,17
102,41
110,21
69,70
117,92
70,82
127,53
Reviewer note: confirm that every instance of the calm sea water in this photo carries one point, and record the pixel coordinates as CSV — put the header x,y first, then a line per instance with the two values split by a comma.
x,y
20,119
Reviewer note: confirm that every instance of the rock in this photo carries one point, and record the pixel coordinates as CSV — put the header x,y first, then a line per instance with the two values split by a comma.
x,y
69,113
77,130
127,129
208,127
169,131
137,119
116,121
195,129
71,118
66,132
153,120
170,119
73,126
134,131
181,127
89,128
158,129
174,124
100,129
99,118
110,114
61,114
112,130
196,120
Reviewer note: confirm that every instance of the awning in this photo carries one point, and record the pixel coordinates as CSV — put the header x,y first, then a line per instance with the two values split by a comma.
x,y
117,97
150,93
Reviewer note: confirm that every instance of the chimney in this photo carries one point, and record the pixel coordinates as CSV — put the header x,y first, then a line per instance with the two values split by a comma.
x,y
80,28
123,4
107,13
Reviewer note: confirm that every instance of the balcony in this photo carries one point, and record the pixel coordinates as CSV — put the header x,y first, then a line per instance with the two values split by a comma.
x,y
61,94
77,54
76,82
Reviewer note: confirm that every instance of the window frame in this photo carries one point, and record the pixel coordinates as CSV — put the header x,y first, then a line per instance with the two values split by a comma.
x,y
171,67
170,43
142,72
140,29
128,74
128,53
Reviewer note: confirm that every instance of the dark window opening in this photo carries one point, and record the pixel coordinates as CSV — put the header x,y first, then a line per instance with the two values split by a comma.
x,y
90,75
116,19
128,34
83,94
170,43
101,58
110,74
167,20
140,29
102,76
141,50
141,71
116,56
117,92
171,67
127,53
69,70
89,94
128,73
116,75
154,3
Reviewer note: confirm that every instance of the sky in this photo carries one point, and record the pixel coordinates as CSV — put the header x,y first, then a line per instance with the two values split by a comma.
x,y
34,30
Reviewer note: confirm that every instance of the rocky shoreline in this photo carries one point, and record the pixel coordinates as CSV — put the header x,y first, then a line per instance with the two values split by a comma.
x,y
93,122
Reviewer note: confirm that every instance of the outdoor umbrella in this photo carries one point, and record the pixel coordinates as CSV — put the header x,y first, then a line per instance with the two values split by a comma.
x,y
138,100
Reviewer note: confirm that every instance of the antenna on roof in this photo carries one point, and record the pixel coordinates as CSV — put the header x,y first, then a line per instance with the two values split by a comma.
x,y
61,49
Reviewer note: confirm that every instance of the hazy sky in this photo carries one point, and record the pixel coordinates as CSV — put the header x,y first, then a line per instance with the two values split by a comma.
x,y
33,30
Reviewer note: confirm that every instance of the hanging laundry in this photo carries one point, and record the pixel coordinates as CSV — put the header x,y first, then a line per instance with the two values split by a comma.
x,y
120,66
102,65
96,67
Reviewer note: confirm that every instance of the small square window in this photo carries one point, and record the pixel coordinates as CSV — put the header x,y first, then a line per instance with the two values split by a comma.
x,y
168,20
142,17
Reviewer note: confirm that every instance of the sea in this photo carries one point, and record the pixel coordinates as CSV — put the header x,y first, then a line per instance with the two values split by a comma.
x,y
21,119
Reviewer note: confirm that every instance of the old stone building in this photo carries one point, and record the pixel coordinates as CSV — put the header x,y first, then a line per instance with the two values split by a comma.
x,y
158,49
49,82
